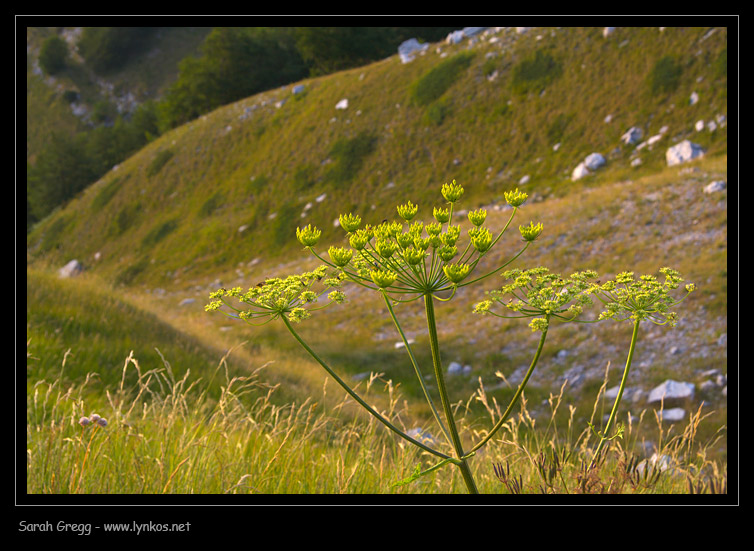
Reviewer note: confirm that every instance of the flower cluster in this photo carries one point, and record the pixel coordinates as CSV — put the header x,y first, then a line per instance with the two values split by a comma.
x,y
411,257
541,295
645,298
292,296
93,419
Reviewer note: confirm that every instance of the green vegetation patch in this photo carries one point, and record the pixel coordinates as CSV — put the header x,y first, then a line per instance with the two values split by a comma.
x,y
665,76
159,161
436,81
535,71
159,232
104,195
349,154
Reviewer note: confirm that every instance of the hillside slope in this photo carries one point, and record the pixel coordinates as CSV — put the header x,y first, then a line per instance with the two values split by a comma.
x,y
230,188
218,200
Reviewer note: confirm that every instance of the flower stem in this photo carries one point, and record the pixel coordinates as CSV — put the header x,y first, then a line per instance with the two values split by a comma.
x,y
516,396
434,345
356,397
416,369
604,438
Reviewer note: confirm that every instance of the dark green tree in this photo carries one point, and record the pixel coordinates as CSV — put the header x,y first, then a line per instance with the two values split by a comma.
x,y
53,55
109,48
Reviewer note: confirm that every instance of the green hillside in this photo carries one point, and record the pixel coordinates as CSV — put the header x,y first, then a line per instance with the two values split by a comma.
x,y
238,180
216,202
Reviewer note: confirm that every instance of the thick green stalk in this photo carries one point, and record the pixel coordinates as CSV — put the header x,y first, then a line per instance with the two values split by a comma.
x,y
516,396
356,397
416,368
614,412
435,347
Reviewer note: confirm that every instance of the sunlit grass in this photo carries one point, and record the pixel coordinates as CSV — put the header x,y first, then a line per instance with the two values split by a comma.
x,y
167,435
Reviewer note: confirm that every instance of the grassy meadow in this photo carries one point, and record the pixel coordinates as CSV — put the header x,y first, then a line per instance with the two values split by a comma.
x,y
197,403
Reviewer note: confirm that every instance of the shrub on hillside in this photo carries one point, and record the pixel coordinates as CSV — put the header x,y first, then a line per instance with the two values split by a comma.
x,y
109,48
436,81
53,55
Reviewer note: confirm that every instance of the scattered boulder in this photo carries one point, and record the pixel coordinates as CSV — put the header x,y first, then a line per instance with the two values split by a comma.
x,y
633,135
401,344
631,394
594,160
456,368
579,172
342,104
717,185
672,415
409,48
298,89
72,269
683,152
671,390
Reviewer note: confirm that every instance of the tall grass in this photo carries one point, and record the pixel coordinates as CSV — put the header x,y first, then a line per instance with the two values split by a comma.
x,y
167,435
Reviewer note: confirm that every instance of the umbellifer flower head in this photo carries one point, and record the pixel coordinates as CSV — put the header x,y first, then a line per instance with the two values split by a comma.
x,y
340,256
452,192
515,198
456,272
477,217
359,239
441,215
308,236
383,278
349,222
481,239
407,211
530,232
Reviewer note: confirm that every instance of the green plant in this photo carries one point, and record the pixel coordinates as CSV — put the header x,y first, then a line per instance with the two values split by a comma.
x,y
53,55
536,71
665,75
437,80
644,300
407,260
401,260
159,161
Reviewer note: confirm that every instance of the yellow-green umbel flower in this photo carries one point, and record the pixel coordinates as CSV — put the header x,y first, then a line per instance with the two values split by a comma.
x,y
456,272
477,217
642,299
447,252
434,228
441,215
340,256
482,240
515,198
452,192
407,211
308,236
451,235
539,324
413,256
404,239
383,278
530,232
349,222
359,239
421,243
385,248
